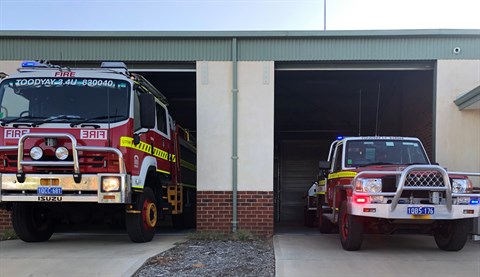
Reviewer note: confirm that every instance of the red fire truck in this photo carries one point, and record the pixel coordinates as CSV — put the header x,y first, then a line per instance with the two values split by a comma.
x,y
88,144
387,185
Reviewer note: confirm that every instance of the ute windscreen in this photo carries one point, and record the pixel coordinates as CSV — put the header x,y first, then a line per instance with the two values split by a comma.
x,y
384,152
41,100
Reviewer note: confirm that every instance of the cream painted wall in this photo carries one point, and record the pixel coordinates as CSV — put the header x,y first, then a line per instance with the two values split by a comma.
x,y
255,126
214,126
9,67
457,132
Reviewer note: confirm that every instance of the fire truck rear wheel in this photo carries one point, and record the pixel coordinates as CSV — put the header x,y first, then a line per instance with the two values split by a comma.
x,y
350,229
324,224
31,222
453,234
141,224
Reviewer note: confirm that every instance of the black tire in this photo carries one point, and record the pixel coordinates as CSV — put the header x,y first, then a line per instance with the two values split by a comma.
x,y
178,221
31,222
188,218
453,234
141,225
350,228
324,224
309,217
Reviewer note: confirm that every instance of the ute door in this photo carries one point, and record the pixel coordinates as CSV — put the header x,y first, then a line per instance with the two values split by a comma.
x,y
333,180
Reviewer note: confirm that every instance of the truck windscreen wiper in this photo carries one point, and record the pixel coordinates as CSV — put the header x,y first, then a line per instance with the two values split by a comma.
x,y
375,163
57,117
94,119
20,119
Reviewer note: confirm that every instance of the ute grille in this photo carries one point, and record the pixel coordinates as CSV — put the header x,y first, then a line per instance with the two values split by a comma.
x,y
432,179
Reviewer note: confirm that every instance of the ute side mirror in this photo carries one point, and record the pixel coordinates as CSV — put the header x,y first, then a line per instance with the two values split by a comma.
x,y
147,110
324,165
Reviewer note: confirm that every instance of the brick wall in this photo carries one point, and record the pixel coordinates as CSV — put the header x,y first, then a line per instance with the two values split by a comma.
x,y
5,220
254,211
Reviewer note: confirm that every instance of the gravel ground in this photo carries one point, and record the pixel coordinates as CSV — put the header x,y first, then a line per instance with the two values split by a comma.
x,y
213,258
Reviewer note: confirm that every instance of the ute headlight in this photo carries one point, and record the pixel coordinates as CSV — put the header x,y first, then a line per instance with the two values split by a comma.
x,y
461,185
369,185
61,153
36,153
110,184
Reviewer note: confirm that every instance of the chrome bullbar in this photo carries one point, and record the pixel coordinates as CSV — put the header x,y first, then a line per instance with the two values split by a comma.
x,y
76,187
431,178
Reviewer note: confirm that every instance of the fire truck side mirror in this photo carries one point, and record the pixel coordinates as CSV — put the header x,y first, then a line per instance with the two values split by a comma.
x,y
147,110
324,165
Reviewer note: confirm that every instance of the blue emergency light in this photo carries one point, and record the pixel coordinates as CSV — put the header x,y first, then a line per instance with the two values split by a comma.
x,y
474,201
339,137
34,64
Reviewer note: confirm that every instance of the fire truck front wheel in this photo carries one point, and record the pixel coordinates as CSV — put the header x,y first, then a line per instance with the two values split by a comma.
x,y
142,221
350,229
31,222
452,235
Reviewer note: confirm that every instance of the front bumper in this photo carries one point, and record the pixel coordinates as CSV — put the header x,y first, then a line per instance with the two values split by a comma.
x,y
87,190
400,211
425,178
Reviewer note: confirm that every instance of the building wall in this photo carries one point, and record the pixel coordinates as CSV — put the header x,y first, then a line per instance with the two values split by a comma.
x,y
9,67
457,133
255,146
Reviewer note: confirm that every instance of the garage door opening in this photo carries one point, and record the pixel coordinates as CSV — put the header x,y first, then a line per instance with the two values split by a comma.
x,y
314,106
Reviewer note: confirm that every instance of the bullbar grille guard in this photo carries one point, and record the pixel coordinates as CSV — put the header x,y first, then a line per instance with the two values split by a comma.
x,y
405,183
75,148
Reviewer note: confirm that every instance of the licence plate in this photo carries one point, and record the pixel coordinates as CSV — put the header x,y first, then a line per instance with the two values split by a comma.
x,y
42,190
420,210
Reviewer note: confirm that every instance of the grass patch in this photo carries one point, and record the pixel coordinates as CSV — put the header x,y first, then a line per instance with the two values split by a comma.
x,y
8,234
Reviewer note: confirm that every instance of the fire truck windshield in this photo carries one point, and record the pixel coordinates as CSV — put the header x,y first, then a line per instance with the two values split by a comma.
x,y
383,152
50,100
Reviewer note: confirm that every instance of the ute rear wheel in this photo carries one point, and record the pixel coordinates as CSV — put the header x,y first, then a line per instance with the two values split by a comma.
x,y
324,224
350,229
31,222
453,234
142,221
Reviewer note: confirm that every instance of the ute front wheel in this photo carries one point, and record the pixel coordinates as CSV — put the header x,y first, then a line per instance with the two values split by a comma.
x,y
31,222
350,229
453,234
142,221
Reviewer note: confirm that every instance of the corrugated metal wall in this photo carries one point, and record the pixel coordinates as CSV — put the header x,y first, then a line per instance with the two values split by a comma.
x,y
252,46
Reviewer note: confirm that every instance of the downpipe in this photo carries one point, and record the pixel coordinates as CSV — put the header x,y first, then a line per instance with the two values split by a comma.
x,y
234,134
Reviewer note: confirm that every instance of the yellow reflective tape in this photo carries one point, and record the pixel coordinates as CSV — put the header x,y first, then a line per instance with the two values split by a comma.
x,y
188,165
147,148
321,183
343,174
320,192
163,171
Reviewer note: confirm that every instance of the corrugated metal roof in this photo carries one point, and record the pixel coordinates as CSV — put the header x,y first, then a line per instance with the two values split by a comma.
x,y
252,46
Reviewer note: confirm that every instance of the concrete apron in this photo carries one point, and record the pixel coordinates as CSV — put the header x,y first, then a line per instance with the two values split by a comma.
x,y
398,255
80,255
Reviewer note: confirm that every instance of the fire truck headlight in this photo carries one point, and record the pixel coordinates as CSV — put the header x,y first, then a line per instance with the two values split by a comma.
x,y
61,153
369,185
461,186
36,153
110,184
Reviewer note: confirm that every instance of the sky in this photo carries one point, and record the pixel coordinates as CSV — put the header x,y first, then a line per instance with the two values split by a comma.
x,y
237,15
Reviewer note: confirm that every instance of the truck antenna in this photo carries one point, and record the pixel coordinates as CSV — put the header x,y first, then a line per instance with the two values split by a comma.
x,y
360,115
378,107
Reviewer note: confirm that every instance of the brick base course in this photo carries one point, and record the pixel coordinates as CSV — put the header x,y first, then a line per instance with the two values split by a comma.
x,y
5,220
254,211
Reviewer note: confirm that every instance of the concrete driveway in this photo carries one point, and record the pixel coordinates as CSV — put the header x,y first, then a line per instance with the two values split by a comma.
x,y
80,255
398,255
